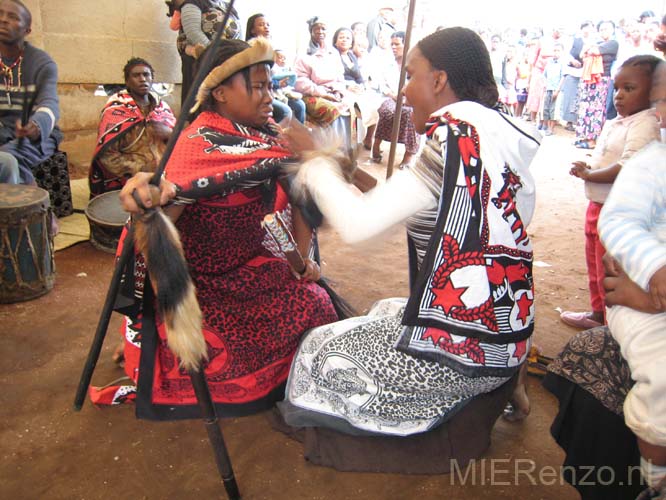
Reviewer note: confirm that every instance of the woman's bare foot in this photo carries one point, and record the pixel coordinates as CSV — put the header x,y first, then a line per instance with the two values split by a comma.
x,y
118,356
519,404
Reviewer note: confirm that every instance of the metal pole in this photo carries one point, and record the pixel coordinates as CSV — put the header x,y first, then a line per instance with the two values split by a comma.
x,y
398,103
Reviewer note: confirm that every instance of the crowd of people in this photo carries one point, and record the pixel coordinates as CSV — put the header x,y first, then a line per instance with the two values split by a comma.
x,y
464,193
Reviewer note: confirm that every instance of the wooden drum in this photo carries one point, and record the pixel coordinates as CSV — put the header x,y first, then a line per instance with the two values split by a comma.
x,y
107,219
27,269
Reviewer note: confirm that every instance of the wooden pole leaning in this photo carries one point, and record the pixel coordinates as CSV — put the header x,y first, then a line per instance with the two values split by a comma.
x,y
398,103
196,376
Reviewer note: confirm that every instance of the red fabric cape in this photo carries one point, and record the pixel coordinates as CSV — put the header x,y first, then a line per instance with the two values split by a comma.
x,y
213,155
119,116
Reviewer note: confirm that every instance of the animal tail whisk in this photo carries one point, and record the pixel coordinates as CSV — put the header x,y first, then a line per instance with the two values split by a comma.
x,y
158,240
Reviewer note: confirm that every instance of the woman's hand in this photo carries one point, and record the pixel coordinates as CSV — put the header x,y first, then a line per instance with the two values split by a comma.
x,y
580,169
141,184
311,272
298,137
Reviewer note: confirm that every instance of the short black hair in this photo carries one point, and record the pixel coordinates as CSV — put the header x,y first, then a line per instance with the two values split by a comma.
x,y
399,34
340,30
463,55
26,12
136,61
648,63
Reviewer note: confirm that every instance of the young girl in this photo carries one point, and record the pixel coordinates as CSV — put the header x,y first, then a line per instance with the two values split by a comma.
x,y
635,126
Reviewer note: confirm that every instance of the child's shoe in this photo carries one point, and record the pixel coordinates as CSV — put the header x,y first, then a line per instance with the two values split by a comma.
x,y
582,320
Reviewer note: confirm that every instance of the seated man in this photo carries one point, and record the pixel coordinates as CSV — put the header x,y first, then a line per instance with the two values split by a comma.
x,y
28,100
133,130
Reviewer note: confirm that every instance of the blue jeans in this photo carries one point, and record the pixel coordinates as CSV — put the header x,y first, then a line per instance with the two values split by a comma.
x,y
298,108
280,111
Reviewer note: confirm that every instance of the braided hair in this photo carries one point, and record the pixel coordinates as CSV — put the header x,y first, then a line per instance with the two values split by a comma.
x,y
461,53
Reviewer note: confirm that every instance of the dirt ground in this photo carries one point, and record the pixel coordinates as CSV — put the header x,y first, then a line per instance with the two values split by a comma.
x,y
50,451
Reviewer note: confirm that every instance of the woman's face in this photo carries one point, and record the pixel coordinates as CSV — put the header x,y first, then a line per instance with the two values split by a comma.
x,y
261,27
420,88
360,31
397,46
606,31
253,108
383,39
318,34
344,41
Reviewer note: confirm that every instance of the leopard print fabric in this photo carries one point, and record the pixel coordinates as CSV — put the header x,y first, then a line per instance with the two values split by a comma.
x,y
351,370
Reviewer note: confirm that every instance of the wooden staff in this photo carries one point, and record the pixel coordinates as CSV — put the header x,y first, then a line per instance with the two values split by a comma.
x,y
197,376
398,102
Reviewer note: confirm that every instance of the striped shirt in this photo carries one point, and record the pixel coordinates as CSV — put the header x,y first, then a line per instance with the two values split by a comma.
x,y
632,225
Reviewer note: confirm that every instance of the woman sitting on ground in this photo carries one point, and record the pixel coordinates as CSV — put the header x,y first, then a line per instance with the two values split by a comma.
x,y
411,364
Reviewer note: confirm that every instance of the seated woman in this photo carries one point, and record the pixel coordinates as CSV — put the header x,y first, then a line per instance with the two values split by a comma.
x,y
388,85
366,100
226,169
291,105
411,364
320,78
591,380
133,130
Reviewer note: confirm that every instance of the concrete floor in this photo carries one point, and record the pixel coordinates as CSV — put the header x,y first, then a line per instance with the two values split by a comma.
x,y
51,452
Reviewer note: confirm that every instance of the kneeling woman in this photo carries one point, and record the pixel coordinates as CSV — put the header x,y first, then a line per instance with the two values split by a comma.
x,y
225,170
410,364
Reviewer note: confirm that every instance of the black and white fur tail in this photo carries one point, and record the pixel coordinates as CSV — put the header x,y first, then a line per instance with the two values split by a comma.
x,y
158,240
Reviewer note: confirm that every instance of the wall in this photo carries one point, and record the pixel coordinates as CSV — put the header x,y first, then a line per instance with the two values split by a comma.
x,y
91,40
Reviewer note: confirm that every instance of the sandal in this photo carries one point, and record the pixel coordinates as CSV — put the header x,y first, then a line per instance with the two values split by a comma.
x,y
376,159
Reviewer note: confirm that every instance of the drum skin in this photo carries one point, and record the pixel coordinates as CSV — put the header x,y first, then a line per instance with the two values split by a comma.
x,y
27,268
107,219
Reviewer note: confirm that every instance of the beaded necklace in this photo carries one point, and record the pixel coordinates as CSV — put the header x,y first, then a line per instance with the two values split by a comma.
x,y
8,75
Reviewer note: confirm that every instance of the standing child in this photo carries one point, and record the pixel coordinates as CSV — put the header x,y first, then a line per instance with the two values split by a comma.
x,y
635,126
509,76
524,70
633,228
553,78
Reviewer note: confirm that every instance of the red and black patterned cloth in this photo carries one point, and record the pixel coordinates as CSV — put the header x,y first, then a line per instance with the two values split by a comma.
x,y
255,311
121,117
